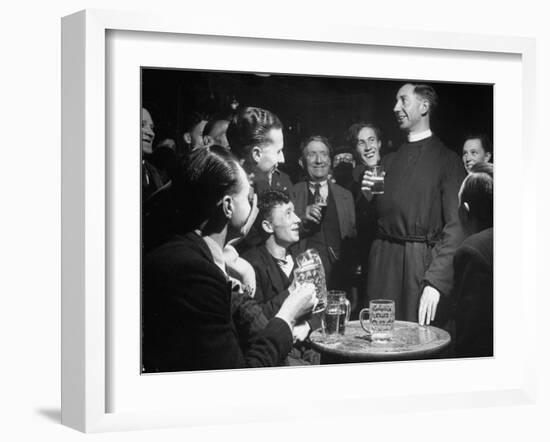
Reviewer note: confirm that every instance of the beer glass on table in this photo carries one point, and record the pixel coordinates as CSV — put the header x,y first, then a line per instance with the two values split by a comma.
x,y
336,314
381,319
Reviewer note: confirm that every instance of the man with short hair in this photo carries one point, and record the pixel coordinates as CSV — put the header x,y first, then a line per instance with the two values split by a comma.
x,y
417,221
327,212
193,127
214,132
366,140
477,149
273,264
255,136
473,265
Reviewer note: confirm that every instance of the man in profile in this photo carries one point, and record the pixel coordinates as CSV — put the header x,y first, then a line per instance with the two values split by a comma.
x,y
255,136
473,265
417,221
193,127
214,132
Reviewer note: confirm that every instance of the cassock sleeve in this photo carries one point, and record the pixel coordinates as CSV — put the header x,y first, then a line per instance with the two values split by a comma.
x,y
440,271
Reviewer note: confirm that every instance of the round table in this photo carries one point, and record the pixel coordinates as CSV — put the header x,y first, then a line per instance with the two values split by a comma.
x,y
409,341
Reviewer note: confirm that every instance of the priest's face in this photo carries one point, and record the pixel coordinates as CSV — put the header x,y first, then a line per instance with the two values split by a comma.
x,y
409,108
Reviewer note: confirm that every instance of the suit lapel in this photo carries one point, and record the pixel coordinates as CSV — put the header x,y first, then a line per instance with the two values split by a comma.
x,y
273,272
341,207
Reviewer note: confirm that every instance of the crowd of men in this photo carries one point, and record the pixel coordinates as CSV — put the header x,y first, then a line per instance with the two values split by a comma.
x,y
222,226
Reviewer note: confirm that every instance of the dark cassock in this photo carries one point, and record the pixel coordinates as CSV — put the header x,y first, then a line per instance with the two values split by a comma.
x,y
417,228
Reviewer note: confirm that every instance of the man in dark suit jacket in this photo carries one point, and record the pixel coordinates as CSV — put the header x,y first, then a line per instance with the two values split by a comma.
x,y
473,265
327,211
187,304
273,264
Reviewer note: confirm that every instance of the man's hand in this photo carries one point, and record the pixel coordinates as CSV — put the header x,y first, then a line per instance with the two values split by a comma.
x,y
366,185
300,301
314,213
240,269
428,305
301,331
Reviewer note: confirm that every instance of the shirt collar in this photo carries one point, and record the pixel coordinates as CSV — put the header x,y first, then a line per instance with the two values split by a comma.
x,y
217,252
321,183
419,136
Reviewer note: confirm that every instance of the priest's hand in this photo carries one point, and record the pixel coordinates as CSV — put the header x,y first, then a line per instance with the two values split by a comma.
x,y
428,305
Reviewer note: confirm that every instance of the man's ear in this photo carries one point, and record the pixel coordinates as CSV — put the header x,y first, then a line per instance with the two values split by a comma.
x,y
227,206
256,154
267,226
187,137
424,107
464,214
207,140
301,162
488,156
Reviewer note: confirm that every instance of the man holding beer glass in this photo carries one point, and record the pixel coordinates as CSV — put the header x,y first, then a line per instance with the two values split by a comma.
x,y
417,222
326,210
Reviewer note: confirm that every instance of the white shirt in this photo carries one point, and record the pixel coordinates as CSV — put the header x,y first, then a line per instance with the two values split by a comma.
x,y
323,189
419,136
286,264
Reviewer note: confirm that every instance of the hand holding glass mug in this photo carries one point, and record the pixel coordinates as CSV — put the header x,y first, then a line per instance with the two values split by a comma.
x,y
373,181
301,300
310,269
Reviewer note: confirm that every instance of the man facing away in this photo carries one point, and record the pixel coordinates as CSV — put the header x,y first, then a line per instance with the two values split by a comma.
x,y
473,265
327,211
417,221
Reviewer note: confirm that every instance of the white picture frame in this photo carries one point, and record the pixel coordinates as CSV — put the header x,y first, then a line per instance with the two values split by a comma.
x,y
87,356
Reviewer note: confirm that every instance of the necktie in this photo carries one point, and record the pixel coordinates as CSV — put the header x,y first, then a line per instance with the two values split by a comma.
x,y
316,192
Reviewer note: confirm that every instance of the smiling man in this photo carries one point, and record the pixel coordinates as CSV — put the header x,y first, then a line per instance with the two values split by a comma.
x,y
255,136
326,209
366,141
273,265
417,222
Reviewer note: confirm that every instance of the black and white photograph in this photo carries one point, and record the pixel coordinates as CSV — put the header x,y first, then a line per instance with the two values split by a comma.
x,y
299,220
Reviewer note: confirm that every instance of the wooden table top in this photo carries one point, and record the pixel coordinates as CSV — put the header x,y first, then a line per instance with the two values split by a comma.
x,y
409,341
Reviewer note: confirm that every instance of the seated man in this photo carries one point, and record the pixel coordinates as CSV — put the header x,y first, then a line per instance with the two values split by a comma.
x,y
473,265
273,263
328,213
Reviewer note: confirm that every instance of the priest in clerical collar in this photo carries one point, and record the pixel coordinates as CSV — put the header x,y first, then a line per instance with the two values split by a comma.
x,y
417,221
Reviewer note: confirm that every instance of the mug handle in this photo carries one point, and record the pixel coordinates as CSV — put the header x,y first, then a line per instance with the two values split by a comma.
x,y
348,310
367,311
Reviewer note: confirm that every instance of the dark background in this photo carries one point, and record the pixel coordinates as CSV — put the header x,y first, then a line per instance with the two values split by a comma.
x,y
310,105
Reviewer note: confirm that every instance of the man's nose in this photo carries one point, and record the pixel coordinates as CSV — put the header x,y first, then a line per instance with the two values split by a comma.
x,y
281,158
396,107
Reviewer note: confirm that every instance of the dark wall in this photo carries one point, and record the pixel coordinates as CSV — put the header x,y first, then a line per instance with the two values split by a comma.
x,y
312,105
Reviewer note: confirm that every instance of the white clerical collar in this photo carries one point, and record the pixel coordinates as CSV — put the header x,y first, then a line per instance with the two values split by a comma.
x,y
419,136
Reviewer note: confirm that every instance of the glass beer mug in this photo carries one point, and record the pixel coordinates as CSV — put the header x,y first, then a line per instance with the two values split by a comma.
x,y
336,314
310,269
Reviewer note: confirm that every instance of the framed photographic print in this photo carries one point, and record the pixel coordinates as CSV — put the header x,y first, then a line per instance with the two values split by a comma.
x,y
318,84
